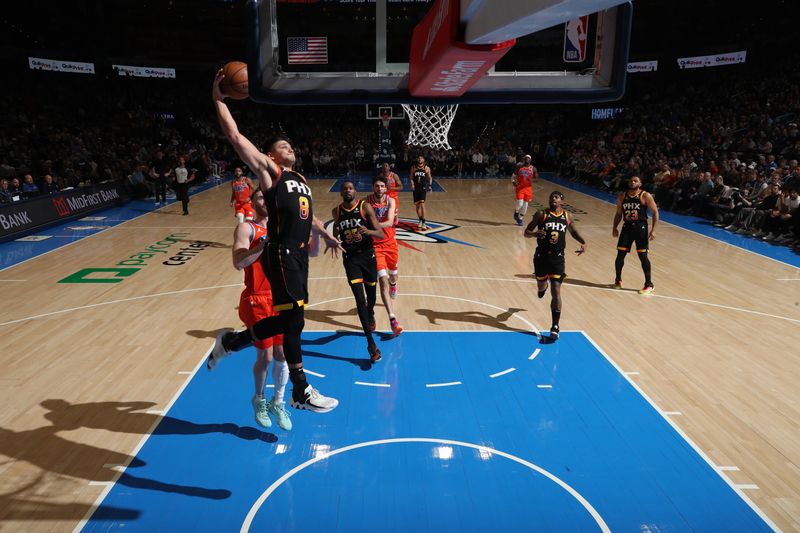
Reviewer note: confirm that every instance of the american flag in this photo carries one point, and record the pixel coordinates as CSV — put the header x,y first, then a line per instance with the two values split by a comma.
x,y
307,50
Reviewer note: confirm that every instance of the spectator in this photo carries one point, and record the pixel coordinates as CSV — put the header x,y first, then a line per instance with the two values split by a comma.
x,y
5,194
49,186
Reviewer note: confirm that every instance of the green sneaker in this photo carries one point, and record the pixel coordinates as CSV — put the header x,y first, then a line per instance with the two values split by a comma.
x,y
261,409
281,414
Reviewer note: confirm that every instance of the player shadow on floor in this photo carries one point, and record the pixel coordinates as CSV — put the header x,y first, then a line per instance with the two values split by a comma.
x,y
209,244
475,317
27,503
326,317
364,363
201,334
584,283
45,448
486,222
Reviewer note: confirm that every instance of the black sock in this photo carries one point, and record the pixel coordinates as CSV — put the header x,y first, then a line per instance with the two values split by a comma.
x,y
556,316
643,257
298,378
541,293
236,341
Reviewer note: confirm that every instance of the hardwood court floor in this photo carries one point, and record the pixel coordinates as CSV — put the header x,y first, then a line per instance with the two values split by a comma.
x,y
717,343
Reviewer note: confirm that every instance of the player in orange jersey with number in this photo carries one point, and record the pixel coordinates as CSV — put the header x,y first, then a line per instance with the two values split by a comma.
x,y
241,191
255,303
523,181
386,253
393,187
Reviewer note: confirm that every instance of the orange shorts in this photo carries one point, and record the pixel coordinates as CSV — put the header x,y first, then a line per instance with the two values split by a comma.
x,y
386,257
254,307
245,209
525,193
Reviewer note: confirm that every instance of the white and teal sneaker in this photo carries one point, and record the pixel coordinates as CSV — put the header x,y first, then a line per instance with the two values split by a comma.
x,y
281,414
261,410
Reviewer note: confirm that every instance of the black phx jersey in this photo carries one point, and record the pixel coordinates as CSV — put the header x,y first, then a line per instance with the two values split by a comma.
x,y
285,262
548,260
555,227
290,213
420,178
634,210
348,223
634,227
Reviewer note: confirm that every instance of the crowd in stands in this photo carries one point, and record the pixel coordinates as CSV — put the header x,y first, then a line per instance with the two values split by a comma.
x,y
726,150
724,147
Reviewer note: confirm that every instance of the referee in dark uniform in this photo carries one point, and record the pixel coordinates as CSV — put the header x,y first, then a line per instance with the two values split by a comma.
x,y
550,227
355,224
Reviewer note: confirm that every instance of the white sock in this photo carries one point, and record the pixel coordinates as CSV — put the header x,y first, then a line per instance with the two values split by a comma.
x,y
240,218
523,209
518,207
280,377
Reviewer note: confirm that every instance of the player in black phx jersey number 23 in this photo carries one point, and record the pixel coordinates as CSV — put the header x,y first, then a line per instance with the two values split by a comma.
x,y
632,207
288,200
550,227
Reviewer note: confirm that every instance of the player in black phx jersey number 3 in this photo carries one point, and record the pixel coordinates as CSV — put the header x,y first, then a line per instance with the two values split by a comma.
x,y
550,227
632,207
285,258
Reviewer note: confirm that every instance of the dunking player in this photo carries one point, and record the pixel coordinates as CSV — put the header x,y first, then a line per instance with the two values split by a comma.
x,y
386,248
523,181
548,260
421,182
355,224
241,191
285,258
632,206
255,303
393,186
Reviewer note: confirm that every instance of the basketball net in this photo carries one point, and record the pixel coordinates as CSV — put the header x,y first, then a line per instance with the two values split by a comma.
x,y
430,124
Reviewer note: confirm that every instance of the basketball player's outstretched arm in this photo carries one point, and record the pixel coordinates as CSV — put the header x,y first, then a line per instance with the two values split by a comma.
x,y
375,230
651,205
617,217
264,167
530,230
577,236
331,243
243,256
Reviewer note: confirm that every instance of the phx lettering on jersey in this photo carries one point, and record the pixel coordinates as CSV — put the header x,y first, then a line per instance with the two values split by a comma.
x,y
302,188
128,266
555,226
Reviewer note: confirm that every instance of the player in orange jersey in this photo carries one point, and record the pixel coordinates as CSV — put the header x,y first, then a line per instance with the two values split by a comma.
x,y
524,176
393,187
255,303
386,253
241,191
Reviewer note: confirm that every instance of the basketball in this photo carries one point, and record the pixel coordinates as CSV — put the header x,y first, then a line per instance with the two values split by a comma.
x,y
234,84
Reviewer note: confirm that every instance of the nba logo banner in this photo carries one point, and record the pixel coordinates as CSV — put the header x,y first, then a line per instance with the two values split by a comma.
x,y
575,33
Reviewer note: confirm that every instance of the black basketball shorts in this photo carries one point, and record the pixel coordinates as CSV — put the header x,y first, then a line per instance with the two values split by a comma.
x,y
549,265
636,233
287,272
361,267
